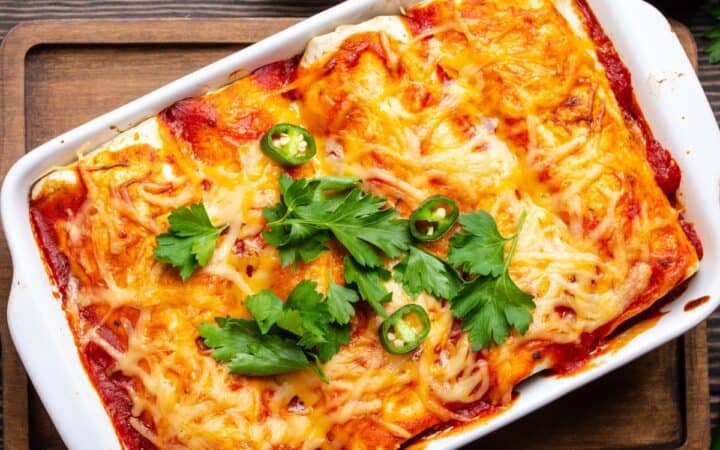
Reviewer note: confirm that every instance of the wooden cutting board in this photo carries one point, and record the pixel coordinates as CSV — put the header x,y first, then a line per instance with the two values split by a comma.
x,y
56,75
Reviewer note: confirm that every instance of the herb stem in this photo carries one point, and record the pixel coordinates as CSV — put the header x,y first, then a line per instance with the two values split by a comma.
x,y
515,239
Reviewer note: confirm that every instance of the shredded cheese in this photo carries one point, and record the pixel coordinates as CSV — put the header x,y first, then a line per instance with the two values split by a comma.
x,y
500,105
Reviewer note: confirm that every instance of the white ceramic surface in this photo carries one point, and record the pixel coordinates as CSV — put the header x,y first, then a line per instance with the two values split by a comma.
x,y
667,89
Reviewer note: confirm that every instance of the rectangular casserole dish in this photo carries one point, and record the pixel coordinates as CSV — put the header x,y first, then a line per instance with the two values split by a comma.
x,y
668,91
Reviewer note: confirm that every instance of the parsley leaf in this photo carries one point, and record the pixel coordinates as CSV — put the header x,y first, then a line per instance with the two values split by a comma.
x,y
334,338
369,283
266,308
713,48
420,271
305,322
339,302
312,211
190,241
312,312
303,332
320,331
481,250
490,305
247,351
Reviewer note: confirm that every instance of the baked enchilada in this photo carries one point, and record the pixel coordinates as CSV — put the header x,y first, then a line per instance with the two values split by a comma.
x,y
379,237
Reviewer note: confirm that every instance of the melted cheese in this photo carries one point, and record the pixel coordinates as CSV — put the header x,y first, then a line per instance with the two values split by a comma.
x,y
321,47
498,104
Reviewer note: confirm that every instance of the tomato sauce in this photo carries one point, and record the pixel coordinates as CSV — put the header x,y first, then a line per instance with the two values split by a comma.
x,y
667,172
188,117
692,304
690,232
57,262
251,125
43,216
111,385
353,48
277,75
199,123
569,358
422,19
479,412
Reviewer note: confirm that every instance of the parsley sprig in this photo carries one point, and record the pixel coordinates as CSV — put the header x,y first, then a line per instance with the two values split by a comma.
x,y
190,241
284,337
421,271
369,282
311,211
480,250
240,343
491,304
713,48
309,328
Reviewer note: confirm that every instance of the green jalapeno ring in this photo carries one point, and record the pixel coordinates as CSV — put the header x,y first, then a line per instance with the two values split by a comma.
x,y
398,336
433,218
288,144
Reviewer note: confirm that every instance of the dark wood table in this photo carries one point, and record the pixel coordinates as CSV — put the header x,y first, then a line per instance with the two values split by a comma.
x,y
693,13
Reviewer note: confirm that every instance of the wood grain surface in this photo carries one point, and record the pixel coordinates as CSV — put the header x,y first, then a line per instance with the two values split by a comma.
x,y
59,70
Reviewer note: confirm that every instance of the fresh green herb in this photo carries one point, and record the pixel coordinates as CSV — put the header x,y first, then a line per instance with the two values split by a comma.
x,y
305,315
433,218
266,308
190,241
405,329
481,250
369,283
247,351
491,304
334,338
315,318
715,444
288,144
713,48
340,302
305,325
308,330
420,271
312,211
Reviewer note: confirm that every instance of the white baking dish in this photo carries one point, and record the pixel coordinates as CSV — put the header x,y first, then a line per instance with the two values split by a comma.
x,y
665,85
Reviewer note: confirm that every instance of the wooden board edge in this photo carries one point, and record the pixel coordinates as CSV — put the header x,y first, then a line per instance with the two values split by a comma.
x,y
146,31
23,37
697,389
12,146
695,350
687,40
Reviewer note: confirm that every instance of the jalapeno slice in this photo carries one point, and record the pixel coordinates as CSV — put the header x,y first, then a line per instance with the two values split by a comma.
x,y
288,144
405,329
433,218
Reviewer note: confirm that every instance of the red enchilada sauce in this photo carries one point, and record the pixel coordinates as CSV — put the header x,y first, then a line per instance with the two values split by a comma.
x,y
667,172
277,75
188,118
111,385
571,357
43,216
692,304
